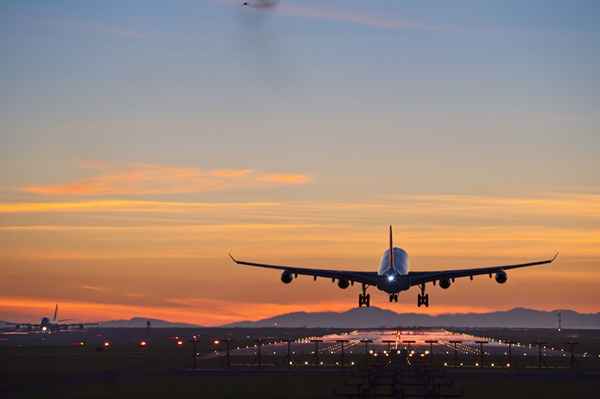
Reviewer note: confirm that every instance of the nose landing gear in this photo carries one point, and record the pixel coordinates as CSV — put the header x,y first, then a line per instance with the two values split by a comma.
x,y
393,297
364,299
423,298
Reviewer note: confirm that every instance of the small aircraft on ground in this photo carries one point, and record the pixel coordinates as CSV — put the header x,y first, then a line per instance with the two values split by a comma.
x,y
47,325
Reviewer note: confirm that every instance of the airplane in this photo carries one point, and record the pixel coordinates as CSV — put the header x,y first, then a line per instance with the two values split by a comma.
x,y
47,325
393,276
260,3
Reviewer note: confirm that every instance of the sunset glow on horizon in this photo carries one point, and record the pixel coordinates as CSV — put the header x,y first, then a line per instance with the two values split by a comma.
x,y
143,144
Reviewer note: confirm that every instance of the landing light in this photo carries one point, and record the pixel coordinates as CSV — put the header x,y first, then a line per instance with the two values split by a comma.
x,y
390,278
44,328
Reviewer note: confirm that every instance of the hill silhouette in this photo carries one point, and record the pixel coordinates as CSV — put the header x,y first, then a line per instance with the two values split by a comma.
x,y
376,317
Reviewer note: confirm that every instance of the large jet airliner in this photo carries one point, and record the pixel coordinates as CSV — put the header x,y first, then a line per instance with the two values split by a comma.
x,y
393,275
47,325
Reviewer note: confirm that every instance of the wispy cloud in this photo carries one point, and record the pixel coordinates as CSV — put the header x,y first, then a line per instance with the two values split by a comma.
x,y
124,205
333,14
145,179
354,17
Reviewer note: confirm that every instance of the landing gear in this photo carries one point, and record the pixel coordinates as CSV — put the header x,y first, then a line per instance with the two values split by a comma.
x,y
393,297
364,299
423,298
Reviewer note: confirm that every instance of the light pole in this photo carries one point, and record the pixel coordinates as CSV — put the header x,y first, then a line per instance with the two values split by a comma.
x,y
431,342
342,342
572,350
455,343
366,342
539,345
316,342
289,351
195,349
481,343
510,361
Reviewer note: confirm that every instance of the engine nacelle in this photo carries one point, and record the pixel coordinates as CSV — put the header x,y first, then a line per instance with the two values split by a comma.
x,y
445,283
501,277
343,284
287,277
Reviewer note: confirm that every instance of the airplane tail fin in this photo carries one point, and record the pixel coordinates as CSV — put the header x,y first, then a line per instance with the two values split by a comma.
x,y
55,312
391,257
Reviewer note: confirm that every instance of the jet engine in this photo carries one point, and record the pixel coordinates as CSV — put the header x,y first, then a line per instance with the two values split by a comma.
x,y
343,284
287,277
501,277
445,283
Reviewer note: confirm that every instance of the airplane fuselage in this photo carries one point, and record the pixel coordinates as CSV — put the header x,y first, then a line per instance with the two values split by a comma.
x,y
393,273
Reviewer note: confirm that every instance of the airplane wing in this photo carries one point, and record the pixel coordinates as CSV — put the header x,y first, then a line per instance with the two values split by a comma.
x,y
23,325
368,278
417,278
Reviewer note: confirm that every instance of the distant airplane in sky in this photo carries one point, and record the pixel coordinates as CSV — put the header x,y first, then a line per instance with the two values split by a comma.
x,y
47,325
393,275
260,3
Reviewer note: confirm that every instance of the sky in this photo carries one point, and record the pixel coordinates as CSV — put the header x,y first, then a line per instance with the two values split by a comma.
x,y
142,141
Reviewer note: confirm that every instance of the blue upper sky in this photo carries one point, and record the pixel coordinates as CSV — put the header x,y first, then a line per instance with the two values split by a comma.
x,y
428,96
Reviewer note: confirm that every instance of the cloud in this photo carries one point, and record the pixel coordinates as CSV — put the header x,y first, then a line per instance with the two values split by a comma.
x,y
354,17
125,205
284,178
357,17
149,179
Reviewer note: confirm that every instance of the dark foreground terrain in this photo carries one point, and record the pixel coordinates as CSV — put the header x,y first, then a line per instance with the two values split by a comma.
x,y
83,365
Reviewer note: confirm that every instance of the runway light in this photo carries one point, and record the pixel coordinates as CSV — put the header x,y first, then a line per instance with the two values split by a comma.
x,y
44,328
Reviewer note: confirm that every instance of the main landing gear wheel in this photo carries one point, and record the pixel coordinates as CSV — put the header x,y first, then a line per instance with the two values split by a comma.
x,y
364,299
393,297
423,300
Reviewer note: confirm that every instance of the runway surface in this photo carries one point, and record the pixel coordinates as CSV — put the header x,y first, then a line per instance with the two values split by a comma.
x,y
381,342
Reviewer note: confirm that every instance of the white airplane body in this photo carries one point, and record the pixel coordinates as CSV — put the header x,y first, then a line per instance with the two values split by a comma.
x,y
393,275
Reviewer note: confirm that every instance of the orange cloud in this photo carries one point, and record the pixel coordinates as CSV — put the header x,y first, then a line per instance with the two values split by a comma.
x,y
124,205
148,179
284,178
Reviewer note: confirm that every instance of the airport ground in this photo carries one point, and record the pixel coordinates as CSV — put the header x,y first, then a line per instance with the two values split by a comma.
x,y
160,362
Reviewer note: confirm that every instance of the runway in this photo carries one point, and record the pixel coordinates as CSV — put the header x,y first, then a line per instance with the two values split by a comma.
x,y
418,342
